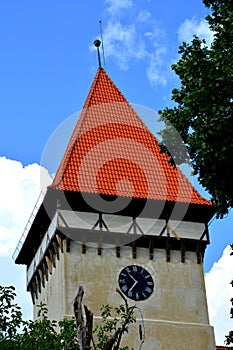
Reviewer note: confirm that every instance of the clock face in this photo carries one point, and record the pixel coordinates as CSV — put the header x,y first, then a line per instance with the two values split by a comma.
x,y
136,282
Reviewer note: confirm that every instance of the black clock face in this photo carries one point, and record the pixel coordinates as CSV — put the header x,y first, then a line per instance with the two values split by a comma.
x,y
136,282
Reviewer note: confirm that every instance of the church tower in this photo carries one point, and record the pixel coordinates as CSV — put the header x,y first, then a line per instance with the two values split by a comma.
x,y
118,215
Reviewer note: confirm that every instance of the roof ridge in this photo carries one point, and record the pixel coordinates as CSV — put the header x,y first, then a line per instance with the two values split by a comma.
x,y
93,87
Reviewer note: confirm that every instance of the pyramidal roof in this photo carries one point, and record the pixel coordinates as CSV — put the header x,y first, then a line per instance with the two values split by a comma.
x,y
112,152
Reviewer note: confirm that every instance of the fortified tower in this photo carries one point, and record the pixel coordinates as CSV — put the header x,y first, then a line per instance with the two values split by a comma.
x,y
118,215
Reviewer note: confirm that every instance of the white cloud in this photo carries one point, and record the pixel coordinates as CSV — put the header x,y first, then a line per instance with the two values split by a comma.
x,y
116,6
219,292
192,27
19,189
144,16
139,38
123,44
155,69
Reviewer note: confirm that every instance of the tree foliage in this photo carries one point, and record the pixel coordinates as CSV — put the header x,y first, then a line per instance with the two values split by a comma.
x,y
44,334
10,319
115,322
203,111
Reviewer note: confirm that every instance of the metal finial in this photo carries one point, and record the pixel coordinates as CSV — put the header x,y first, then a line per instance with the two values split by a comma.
x,y
97,44
101,35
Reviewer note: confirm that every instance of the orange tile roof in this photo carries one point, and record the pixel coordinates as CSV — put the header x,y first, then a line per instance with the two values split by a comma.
x,y
112,152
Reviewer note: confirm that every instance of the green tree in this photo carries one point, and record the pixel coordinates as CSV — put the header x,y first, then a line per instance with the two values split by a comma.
x,y
44,334
203,110
10,319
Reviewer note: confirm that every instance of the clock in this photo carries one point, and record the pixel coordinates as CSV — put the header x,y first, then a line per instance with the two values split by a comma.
x,y
136,282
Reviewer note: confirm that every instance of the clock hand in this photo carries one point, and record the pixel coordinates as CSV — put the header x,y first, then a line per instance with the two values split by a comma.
x,y
135,282
132,278
133,286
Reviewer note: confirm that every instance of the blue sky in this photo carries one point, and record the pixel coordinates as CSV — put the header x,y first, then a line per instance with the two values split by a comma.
x,y
47,65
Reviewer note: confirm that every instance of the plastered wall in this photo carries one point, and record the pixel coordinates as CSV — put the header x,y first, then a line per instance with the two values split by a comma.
x,y
175,315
